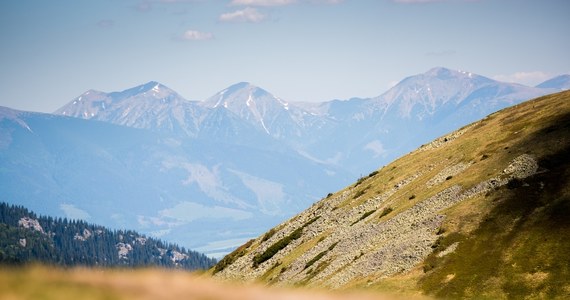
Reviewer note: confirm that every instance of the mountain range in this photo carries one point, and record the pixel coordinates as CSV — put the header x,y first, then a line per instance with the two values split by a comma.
x,y
211,174
478,213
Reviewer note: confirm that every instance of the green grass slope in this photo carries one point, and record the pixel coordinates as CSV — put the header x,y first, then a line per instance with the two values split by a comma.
x,y
482,212
520,247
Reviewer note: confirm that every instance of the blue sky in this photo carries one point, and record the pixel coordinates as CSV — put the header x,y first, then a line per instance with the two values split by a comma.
x,y
301,50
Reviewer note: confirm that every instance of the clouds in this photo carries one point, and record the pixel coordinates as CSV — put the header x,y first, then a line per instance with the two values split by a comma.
x,y
251,14
176,1
429,1
280,2
251,11
107,23
73,212
143,6
248,14
377,148
194,35
528,78
416,1
262,2
327,1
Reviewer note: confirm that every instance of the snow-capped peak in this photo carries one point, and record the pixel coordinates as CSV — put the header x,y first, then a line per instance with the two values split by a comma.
x,y
251,104
442,73
148,86
421,95
150,105
153,88
244,94
156,88
240,85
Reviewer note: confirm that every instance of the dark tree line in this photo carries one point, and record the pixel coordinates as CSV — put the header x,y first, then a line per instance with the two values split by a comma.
x,y
66,242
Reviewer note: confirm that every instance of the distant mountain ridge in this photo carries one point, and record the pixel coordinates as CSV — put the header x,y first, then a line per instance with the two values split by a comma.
x,y
149,106
370,129
238,162
561,82
421,96
417,109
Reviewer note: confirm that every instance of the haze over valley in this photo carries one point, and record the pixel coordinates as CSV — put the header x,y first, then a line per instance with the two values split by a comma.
x,y
212,174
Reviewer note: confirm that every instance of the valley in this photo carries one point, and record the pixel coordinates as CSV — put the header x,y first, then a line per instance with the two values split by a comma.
x,y
210,175
478,212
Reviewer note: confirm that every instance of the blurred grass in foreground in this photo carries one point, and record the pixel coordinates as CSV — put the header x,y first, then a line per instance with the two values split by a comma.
x,y
41,282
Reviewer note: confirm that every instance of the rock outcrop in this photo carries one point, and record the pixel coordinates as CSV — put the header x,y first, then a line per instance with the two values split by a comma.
x,y
362,247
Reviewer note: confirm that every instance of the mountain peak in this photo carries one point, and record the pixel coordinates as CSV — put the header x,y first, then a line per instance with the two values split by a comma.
x,y
243,86
561,82
151,83
249,102
154,85
150,105
438,71
151,86
242,93
442,75
422,95
445,73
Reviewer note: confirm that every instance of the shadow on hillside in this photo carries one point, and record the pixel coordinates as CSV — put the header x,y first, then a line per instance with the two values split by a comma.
x,y
522,247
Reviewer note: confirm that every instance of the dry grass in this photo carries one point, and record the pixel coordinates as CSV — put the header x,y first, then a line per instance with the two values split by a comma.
x,y
38,282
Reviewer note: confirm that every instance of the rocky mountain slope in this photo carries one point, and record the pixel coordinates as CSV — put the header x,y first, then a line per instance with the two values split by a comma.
x,y
479,212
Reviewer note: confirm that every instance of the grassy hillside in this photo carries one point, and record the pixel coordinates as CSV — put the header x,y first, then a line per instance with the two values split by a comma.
x,y
479,213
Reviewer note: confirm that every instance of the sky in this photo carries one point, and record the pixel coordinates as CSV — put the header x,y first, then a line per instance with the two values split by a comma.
x,y
51,51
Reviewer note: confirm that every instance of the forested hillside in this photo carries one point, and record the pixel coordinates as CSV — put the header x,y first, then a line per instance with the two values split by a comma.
x,y
25,237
